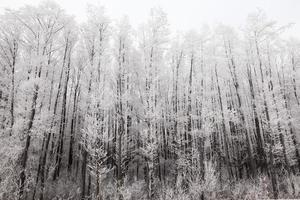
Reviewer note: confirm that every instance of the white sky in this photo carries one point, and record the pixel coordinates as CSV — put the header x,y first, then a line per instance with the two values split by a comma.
x,y
184,14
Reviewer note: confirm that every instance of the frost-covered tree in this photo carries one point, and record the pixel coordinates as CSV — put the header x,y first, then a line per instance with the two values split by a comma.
x,y
101,110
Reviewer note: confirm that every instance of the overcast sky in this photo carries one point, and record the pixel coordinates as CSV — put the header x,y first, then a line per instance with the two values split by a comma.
x,y
184,14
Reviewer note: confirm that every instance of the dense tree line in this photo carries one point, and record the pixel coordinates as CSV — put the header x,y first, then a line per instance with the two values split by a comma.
x,y
96,109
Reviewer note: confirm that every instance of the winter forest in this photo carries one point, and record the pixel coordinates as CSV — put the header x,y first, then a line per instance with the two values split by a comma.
x,y
100,110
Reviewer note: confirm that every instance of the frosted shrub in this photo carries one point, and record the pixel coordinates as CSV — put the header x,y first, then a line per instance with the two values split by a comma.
x,y
252,189
296,180
206,188
133,191
62,189
110,191
9,154
170,193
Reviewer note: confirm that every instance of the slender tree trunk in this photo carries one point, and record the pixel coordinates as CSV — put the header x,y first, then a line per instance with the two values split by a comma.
x,y
294,80
24,157
259,136
63,122
225,136
232,68
12,99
